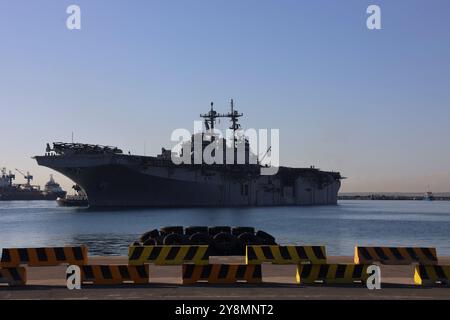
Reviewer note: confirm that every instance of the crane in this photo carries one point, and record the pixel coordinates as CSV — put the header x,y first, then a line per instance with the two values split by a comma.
x,y
27,176
9,176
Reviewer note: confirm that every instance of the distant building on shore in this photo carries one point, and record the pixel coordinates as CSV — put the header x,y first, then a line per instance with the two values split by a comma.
x,y
394,196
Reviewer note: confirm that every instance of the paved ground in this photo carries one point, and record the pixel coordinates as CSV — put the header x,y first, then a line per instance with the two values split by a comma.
x,y
279,283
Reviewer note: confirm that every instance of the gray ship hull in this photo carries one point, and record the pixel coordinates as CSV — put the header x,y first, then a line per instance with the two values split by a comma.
x,y
113,180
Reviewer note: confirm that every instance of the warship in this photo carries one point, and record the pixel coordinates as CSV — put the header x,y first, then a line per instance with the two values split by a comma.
x,y
112,178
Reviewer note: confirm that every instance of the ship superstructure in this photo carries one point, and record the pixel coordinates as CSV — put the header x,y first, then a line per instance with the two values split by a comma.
x,y
111,178
54,188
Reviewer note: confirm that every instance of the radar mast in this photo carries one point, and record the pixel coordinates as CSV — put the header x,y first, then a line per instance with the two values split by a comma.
x,y
210,118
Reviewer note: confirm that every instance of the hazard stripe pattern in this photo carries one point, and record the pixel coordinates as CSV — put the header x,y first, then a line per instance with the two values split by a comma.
x,y
429,275
16,276
395,255
114,274
331,273
221,273
168,254
37,257
285,254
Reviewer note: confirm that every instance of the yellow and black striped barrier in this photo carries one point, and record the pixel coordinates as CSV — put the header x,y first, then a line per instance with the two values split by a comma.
x,y
332,273
114,274
16,276
429,275
168,254
395,255
285,254
221,273
37,257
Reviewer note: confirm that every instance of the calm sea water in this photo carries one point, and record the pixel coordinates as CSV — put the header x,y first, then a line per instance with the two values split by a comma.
x,y
340,228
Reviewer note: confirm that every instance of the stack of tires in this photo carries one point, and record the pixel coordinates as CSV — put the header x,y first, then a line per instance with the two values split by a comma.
x,y
223,240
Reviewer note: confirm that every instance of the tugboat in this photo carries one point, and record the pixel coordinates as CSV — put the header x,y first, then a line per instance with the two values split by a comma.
x,y
79,199
26,191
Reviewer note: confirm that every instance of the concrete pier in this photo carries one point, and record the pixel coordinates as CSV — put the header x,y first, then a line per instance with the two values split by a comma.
x,y
278,283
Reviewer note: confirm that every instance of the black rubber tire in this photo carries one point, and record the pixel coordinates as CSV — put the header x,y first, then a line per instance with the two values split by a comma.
x,y
200,238
160,240
219,229
189,231
154,233
144,237
224,244
137,244
266,238
150,242
245,239
236,231
248,238
168,230
174,239
150,234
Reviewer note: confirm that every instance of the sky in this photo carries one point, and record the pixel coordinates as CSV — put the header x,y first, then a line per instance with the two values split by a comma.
x,y
372,104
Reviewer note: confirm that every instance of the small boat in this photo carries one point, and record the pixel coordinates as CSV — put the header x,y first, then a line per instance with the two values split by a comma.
x,y
79,199
428,196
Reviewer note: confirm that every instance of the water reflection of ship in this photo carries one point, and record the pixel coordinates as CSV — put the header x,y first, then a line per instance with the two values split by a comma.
x,y
26,191
79,199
